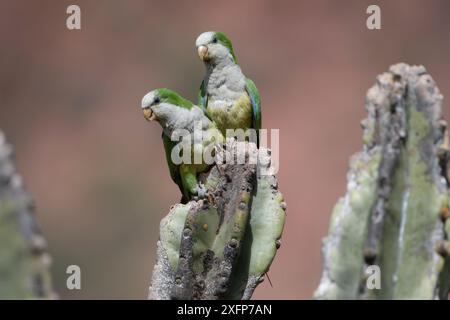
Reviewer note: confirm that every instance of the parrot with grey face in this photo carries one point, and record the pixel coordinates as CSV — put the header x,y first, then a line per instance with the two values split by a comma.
x,y
173,112
228,97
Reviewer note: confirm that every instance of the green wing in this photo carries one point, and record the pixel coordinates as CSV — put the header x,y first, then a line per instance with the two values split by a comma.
x,y
202,97
256,103
173,168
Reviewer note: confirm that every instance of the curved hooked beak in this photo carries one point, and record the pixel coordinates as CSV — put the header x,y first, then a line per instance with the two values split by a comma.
x,y
148,114
202,52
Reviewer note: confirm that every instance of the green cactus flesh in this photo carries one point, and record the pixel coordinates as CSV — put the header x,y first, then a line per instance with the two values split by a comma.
x,y
392,214
221,250
13,283
24,263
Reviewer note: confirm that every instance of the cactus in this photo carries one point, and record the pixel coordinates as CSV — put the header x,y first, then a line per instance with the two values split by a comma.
x,y
24,262
222,247
394,214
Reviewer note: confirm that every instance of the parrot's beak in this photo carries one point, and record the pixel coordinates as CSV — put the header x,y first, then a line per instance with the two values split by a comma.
x,y
148,114
203,52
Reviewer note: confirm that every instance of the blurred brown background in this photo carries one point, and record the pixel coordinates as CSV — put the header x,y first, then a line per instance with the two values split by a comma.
x,y
69,101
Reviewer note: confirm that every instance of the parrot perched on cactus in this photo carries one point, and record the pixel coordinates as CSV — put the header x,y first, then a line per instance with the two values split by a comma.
x,y
173,112
228,97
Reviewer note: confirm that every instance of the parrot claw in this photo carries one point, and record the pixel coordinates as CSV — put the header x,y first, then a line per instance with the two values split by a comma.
x,y
201,191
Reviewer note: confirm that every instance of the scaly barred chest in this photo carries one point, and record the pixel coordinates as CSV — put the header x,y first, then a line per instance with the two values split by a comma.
x,y
239,115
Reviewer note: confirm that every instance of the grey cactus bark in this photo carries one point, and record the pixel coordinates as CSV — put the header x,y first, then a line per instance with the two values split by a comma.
x,y
24,262
395,212
221,247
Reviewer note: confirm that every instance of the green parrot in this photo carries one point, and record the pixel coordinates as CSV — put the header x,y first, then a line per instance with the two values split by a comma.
x,y
173,112
229,98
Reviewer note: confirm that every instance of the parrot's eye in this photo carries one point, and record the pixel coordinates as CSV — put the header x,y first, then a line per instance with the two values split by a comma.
x,y
156,101
214,40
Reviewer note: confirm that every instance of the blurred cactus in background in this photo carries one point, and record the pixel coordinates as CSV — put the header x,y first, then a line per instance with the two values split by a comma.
x,y
24,262
395,212
221,248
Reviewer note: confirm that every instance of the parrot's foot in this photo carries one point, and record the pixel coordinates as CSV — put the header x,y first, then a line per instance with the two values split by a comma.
x,y
201,191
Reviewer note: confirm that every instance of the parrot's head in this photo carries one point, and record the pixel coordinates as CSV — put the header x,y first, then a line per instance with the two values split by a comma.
x,y
162,105
213,47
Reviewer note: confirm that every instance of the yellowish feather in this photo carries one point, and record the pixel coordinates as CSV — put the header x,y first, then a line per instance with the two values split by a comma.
x,y
239,116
